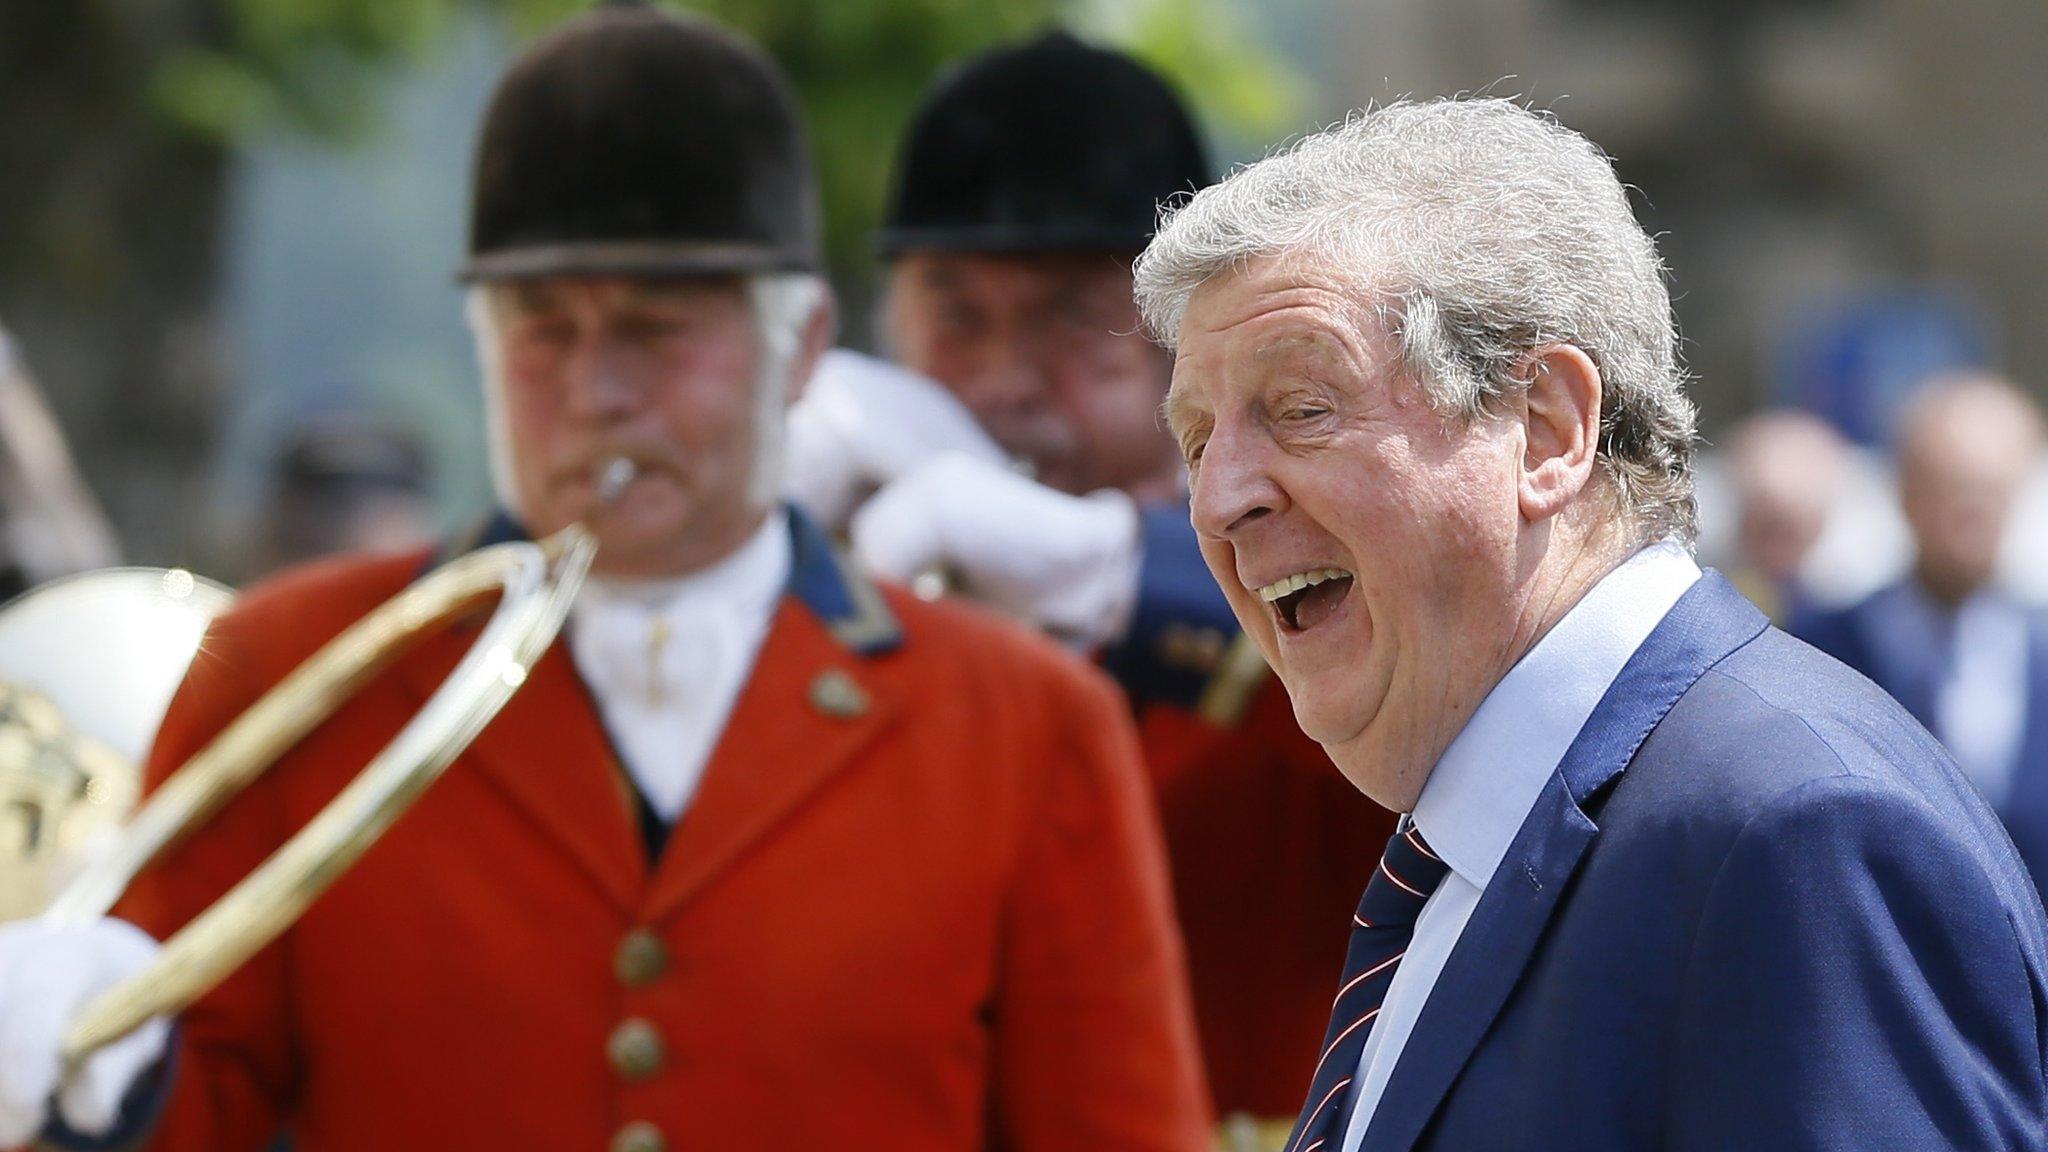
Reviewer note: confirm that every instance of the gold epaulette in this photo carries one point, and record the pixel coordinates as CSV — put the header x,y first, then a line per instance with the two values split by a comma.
x,y
1231,687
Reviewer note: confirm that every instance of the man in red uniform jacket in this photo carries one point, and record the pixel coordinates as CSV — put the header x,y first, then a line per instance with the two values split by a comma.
x,y
761,857
1026,185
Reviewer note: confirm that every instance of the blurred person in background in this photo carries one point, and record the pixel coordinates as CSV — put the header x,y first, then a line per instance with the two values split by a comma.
x,y
345,485
759,856
1026,184
1965,655
1786,468
50,525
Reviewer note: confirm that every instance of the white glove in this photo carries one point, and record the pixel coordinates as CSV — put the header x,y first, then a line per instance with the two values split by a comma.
x,y
1066,563
46,976
861,423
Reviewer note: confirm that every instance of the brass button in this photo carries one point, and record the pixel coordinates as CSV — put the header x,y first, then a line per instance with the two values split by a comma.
x,y
641,958
635,1049
639,1136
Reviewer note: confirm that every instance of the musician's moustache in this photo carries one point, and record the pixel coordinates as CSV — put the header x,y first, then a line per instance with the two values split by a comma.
x,y
591,466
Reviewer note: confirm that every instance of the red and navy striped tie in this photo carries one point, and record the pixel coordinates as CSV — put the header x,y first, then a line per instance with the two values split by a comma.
x,y
1380,931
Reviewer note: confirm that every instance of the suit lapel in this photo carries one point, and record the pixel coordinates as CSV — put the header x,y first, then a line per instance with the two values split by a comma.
x,y
805,714
1708,622
548,754
807,710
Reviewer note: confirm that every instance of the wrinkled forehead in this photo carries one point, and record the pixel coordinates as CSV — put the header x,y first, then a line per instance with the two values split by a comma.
x,y
1020,276
546,294
1243,328
1244,358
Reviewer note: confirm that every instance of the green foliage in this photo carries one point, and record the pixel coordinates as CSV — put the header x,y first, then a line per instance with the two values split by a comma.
x,y
307,64
860,68
860,65
1207,50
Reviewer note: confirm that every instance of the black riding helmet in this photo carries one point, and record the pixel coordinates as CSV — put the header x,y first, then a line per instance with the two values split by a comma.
x,y
1048,145
633,141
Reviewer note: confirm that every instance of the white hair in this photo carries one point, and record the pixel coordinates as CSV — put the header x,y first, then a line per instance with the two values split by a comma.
x,y
783,304
1476,231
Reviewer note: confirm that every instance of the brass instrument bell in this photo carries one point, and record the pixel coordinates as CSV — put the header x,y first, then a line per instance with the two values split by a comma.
x,y
87,667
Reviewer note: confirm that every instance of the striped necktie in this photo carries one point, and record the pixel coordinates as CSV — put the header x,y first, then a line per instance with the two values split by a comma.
x,y
1380,931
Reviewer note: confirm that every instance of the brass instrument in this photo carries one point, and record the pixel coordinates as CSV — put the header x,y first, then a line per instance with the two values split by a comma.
x,y
535,584
87,666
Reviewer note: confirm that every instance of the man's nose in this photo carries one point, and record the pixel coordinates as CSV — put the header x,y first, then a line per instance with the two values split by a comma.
x,y
1010,377
598,383
1231,487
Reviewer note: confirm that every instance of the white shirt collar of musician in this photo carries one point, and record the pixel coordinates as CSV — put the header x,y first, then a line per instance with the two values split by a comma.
x,y
752,575
666,660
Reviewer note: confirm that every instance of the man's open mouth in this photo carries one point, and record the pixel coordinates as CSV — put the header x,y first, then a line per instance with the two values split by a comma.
x,y
1306,599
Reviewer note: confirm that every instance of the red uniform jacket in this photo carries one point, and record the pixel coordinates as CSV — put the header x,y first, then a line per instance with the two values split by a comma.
x,y
1271,848
918,903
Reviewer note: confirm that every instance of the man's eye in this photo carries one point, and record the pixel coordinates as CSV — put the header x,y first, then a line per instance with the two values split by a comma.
x,y
545,330
958,317
653,327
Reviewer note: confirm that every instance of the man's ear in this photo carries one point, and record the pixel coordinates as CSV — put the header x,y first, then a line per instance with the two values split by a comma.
x,y
1561,425
820,330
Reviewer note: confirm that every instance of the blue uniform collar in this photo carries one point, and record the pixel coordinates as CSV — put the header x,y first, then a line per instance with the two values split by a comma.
x,y
848,604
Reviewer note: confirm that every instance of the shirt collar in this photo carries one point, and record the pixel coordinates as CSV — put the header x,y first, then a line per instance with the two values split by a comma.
x,y
1486,783
747,582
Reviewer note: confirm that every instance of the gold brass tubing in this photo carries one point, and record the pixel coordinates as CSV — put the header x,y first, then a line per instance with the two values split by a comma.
x,y
1231,687
538,580
248,746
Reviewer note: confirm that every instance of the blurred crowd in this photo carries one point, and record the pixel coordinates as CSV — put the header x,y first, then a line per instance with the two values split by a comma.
x,y
1920,567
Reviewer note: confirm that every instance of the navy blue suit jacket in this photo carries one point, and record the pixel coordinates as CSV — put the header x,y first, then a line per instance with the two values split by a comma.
x,y
1879,637
1756,907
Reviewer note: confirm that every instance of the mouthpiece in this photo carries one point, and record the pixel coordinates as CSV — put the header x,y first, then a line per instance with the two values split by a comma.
x,y
611,484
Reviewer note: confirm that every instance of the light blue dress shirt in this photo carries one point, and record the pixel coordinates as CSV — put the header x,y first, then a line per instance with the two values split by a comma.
x,y
1980,698
1484,787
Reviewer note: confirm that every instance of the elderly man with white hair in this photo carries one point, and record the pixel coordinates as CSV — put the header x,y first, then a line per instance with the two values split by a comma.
x,y
1668,878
